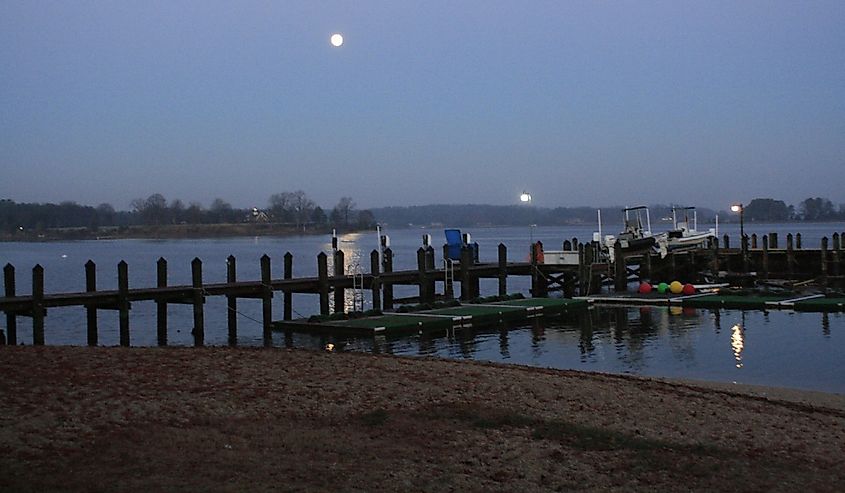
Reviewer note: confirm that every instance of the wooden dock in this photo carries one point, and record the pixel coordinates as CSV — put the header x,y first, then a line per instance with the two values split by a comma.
x,y
753,260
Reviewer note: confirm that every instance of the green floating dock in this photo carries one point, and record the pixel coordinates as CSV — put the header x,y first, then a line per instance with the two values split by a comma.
x,y
807,303
468,315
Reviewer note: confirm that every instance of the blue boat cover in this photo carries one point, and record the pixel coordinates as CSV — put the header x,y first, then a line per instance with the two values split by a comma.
x,y
454,241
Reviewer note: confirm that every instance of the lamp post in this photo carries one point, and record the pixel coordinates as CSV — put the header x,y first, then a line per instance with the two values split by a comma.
x,y
525,198
739,208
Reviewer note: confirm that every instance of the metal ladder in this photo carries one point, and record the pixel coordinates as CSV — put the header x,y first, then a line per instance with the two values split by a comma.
x,y
449,277
357,288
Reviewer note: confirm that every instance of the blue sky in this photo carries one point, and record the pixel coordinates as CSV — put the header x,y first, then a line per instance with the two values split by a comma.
x,y
580,103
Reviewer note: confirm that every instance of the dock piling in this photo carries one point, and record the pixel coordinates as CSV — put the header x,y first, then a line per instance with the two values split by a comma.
x,y
288,296
91,309
123,301
266,301
11,318
232,301
198,300
161,305
323,282
38,311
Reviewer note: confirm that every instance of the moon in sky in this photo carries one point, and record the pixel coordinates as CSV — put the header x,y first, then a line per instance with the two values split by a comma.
x,y
336,39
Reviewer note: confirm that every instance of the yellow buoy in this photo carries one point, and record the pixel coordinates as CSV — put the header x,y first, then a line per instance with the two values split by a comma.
x,y
676,287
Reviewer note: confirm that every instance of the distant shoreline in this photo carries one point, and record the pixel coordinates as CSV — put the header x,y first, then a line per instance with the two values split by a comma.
x,y
163,232
235,230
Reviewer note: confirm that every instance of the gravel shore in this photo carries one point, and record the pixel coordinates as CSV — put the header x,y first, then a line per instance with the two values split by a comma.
x,y
250,419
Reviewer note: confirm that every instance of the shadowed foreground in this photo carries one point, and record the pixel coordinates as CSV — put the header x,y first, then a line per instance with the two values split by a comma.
x,y
221,419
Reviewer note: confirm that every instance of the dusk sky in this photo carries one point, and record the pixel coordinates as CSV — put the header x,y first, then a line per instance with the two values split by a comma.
x,y
580,103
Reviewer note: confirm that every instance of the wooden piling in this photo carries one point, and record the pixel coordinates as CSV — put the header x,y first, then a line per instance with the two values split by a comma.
x,y
582,270
823,260
790,255
466,283
727,240
288,296
431,284
620,276
744,251
765,264
835,255
198,300
753,241
421,276
91,310
123,301
323,282
645,267
266,301
38,311
11,318
161,305
715,250
232,301
387,287
339,271
375,287
773,241
798,241
503,269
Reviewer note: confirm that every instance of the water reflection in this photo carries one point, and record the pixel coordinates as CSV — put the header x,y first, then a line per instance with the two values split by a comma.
x,y
802,350
737,343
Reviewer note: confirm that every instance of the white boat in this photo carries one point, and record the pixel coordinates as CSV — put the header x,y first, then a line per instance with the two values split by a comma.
x,y
686,234
636,237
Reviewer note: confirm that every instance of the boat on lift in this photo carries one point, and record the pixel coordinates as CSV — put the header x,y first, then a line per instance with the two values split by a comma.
x,y
636,236
686,234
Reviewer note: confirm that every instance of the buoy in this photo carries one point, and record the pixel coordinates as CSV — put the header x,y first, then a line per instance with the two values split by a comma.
x,y
676,287
662,287
688,289
645,288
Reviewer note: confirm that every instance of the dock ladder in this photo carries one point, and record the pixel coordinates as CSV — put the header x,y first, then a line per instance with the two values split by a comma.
x,y
357,288
448,278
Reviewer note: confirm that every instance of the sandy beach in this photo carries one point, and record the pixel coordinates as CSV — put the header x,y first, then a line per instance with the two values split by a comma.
x,y
250,419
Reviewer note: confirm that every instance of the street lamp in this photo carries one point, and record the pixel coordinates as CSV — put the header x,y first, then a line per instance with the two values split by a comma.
x,y
525,198
739,208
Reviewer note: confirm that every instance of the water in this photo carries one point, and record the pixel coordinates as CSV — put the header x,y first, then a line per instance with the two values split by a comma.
x,y
798,350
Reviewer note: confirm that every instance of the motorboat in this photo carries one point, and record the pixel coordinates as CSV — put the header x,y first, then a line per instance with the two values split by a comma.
x,y
686,234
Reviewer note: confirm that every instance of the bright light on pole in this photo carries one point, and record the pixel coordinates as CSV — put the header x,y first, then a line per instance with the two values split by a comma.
x,y
525,197
739,208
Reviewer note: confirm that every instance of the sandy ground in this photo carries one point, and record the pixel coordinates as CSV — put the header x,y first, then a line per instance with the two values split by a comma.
x,y
222,419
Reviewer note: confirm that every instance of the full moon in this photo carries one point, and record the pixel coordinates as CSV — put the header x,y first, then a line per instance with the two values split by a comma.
x,y
336,39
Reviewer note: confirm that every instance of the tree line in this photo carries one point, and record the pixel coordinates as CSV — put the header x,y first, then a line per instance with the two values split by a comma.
x,y
294,209
758,209
297,210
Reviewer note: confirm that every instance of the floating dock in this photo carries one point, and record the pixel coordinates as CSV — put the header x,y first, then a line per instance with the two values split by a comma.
x,y
466,315
806,303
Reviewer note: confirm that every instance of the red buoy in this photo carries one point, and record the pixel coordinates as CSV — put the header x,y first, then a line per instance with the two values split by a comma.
x,y
688,289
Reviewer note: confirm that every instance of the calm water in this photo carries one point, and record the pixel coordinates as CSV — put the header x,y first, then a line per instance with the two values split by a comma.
x,y
769,348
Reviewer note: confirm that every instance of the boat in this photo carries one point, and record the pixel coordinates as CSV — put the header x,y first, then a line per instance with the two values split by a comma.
x,y
686,235
636,236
